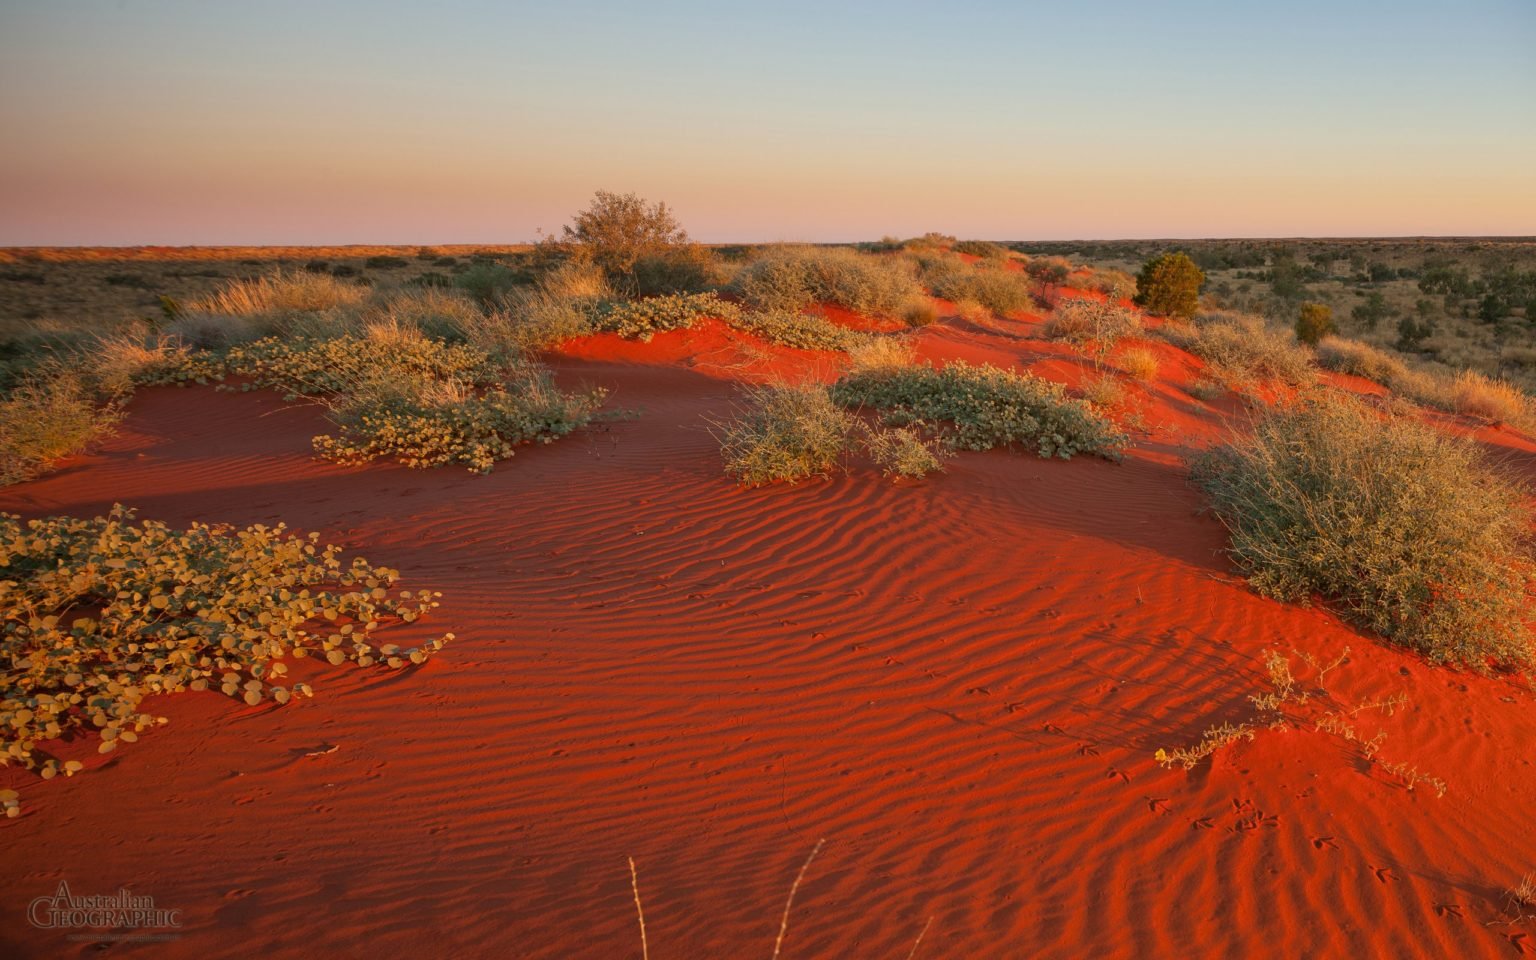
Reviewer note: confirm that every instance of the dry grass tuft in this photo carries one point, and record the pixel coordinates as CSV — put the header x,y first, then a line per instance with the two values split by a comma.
x,y
1140,363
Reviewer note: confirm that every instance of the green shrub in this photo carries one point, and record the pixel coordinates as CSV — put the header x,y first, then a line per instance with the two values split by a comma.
x,y
688,268
385,262
984,406
1408,530
427,423
1169,286
794,277
1314,322
100,614
301,367
787,432
617,231
49,416
802,330
641,319
487,282
560,306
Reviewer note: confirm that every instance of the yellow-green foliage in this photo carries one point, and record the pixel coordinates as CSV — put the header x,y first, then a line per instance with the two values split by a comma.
x,y
786,432
1140,363
1240,346
641,319
793,329
46,417
301,366
1484,397
983,407
99,614
794,277
987,283
1410,531
428,423
283,303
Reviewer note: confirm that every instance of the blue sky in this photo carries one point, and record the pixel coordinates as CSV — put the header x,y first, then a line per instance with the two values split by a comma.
x,y
179,122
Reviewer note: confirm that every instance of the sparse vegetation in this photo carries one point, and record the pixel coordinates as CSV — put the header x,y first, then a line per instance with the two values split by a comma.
x,y
982,407
99,614
1139,363
642,319
986,283
1409,531
1240,347
49,416
1086,321
1314,323
784,433
794,277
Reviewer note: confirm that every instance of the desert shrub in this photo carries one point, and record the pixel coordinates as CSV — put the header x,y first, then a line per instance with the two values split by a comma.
x,y
1496,401
999,290
688,268
1359,359
1314,322
48,416
1048,273
346,270
114,365
433,310
792,329
786,432
422,422
1115,284
919,312
641,319
157,610
305,367
1139,363
903,452
1103,391
385,262
1408,530
984,407
880,353
561,305
1169,286
487,282
795,277
431,278
429,253
985,249
1206,389
972,311
616,231
278,304
1081,320
1239,346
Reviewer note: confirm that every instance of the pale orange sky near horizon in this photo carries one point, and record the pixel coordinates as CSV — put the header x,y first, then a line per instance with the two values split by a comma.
x,y
171,123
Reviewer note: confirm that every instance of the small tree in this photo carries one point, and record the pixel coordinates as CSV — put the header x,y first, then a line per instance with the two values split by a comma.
x,y
618,230
1412,331
1048,275
1169,285
1372,311
1315,322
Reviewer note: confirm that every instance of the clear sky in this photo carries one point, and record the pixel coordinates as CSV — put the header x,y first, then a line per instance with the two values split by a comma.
x,y
269,121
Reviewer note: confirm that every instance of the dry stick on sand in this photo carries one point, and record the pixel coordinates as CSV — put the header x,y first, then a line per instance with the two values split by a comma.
x,y
784,920
921,933
634,883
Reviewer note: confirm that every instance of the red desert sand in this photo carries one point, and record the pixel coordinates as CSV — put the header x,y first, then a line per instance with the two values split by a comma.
x,y
960,684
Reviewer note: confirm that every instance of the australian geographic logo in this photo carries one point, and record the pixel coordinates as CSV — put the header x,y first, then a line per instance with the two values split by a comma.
x,y
117,910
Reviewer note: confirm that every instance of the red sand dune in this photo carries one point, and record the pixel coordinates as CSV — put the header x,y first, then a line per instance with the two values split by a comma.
x,y
958,683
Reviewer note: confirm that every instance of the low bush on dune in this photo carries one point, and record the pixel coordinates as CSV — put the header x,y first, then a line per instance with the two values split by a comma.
x,y
1242,347
1080,320
805,331
1409,531
1496,401
560,306
48,416
1139,363
789,432
434,311
794,277
785,433
425,423
642,319
919,312
982,407
158,610
1115,284
304,367
999,290
1360,359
